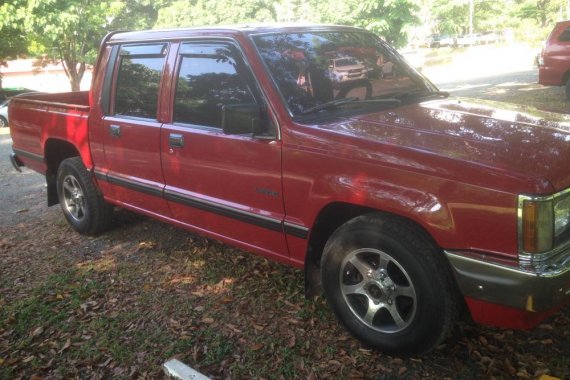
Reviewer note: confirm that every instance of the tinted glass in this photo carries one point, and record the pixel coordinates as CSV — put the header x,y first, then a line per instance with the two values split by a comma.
x,y
137,86
316,67
565,36
208,80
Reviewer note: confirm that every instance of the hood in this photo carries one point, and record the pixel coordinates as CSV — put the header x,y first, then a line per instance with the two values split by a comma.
x,y
507,140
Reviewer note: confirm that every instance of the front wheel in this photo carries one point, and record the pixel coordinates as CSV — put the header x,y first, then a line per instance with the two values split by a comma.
x,y
3,122
81,202
389,285
568,89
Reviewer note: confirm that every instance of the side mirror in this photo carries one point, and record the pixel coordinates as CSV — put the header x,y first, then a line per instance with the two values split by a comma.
x,y
240,119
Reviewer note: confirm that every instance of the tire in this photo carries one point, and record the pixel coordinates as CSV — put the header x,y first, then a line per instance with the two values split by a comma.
x,y
568,89
389,285
79,198
3,122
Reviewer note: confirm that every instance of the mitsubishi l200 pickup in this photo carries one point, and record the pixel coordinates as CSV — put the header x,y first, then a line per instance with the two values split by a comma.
x,y
403,205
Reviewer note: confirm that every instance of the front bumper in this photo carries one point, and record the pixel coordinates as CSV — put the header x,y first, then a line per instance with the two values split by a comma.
x,y
537,289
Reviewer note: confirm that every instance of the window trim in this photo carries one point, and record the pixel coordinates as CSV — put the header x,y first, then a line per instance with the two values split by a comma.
x,y
116,68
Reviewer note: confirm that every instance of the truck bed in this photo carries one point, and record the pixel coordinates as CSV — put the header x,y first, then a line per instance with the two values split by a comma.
x,y
35,118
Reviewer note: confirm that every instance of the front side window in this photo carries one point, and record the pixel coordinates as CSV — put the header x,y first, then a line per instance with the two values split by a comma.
x,y
210,77
138,80
315,68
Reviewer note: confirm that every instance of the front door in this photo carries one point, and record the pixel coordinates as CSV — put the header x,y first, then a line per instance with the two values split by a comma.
x,y
228,185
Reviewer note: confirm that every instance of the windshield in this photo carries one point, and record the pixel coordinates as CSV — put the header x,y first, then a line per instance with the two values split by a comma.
x,y
316,67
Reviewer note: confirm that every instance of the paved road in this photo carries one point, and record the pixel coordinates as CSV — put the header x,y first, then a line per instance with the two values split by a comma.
x,y
483,70
487,87
20,193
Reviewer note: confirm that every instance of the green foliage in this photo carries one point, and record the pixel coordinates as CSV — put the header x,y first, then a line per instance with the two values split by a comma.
x,y
70,30
388,18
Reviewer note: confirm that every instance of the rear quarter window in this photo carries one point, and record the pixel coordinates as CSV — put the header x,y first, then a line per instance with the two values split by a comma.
x,y
138,80
565,36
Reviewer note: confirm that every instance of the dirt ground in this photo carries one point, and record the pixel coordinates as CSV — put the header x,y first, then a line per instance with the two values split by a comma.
x,y
121,304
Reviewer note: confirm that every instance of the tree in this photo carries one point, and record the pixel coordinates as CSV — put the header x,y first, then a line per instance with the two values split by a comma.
x,y
13,44
70,30
542,11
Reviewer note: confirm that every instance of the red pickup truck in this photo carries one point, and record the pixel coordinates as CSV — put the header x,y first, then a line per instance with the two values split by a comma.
x,y
401,204
554,59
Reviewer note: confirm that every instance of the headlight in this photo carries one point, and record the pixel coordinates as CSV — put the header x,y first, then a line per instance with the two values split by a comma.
x,y
562,219
544,223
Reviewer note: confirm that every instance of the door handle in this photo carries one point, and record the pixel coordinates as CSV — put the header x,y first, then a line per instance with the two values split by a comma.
x,y
176,140
115,130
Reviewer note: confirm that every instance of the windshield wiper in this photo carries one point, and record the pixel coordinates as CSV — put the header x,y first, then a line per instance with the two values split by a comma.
x,y
350,101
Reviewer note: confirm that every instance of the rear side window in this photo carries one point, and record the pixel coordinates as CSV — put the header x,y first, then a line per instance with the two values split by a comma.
x,y
565,36
138,80
209,78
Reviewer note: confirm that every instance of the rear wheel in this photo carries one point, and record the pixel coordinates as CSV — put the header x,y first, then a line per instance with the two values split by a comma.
x,y
389,285
568,89
81,202
3,122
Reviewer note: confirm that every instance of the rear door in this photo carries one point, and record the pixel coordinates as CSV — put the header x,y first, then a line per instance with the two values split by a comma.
x,y
228,185
131,129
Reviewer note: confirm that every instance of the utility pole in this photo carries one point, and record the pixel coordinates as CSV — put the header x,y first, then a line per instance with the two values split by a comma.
x,y
472,10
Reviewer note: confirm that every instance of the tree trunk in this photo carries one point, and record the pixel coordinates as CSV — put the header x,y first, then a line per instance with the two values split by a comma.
x,y
74,71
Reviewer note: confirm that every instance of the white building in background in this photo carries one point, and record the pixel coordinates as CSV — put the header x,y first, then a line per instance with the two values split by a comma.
x,y
51,78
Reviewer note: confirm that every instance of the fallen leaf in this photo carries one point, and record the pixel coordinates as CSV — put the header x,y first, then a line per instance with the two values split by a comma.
x,y
547,377
257,347
509,366
208,320
292,341
1,361
402,371
105,363
28,359
397,361
65,346
38,331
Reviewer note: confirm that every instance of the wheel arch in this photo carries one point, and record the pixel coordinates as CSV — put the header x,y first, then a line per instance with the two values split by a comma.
x,y
331,217
55,151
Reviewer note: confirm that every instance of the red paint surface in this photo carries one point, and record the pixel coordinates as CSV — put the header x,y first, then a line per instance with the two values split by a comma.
x,y
506,317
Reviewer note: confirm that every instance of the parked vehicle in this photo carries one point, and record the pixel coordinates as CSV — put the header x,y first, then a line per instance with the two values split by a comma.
x,y
490,38
8,92
403,205
4,114
346,69
469,40
554,60
448,41
435,41
4,119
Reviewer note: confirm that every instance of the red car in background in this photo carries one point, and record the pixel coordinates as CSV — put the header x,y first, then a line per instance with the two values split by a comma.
x,y
554,61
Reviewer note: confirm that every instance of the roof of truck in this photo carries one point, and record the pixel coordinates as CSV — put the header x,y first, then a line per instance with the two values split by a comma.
x,y
219,30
